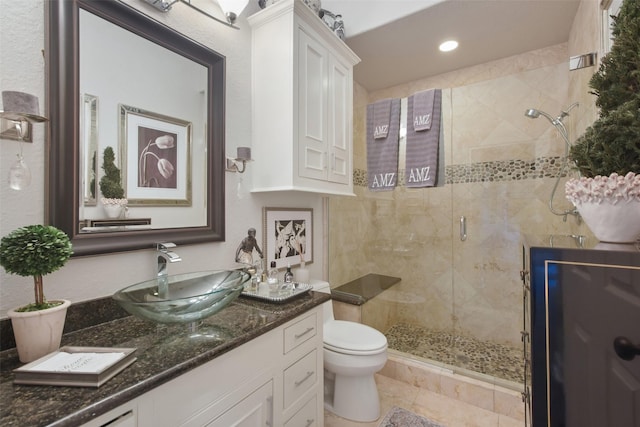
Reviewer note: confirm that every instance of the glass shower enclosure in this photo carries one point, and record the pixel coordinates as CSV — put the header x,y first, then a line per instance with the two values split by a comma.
x,y
457,247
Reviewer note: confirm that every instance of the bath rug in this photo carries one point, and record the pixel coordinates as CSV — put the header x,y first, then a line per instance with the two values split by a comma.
x,y
399,417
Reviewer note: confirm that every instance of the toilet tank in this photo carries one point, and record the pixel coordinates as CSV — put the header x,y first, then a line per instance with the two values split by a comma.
x,y
327,307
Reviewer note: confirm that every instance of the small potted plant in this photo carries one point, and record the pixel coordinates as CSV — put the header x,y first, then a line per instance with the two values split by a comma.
x,y
113,200
608,153
36,250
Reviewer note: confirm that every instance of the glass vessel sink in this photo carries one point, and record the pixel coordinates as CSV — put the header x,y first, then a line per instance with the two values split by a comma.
x,y
182,298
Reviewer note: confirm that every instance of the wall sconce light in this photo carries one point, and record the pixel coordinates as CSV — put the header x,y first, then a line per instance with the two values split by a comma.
x,y
243,156
162,5
21,109
232,8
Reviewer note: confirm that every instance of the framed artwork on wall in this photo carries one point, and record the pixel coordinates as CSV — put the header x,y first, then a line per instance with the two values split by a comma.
x,y
157,170
287,236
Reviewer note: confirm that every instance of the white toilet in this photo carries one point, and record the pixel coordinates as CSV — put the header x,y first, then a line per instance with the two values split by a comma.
x,y
353,353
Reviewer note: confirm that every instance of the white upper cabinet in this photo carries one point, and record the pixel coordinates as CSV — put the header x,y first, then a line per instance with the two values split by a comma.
x,y
302,111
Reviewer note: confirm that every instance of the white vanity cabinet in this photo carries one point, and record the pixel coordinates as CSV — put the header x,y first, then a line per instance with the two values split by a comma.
x,y
273,380
123,416
302,106
302,397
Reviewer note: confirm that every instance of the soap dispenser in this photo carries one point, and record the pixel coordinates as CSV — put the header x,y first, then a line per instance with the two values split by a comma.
x,y
272,278
288,275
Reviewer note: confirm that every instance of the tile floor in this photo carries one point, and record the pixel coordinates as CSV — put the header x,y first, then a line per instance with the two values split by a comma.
x,y
465,352
442,396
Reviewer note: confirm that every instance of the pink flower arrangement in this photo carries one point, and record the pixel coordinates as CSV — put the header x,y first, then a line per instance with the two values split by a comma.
x,y
108,201
613,189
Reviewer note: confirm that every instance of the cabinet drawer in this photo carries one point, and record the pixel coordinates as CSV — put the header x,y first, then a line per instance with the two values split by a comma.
x,y
306,416
253,410
123,416
300,377
300,332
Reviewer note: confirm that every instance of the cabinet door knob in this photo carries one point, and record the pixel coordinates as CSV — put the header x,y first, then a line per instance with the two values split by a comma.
x,y
625,349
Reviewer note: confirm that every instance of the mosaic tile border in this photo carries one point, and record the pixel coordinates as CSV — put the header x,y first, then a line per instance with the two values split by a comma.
x,y
494,171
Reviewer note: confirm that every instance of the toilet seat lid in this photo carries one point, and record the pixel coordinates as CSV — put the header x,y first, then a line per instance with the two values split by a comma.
x,y
353,338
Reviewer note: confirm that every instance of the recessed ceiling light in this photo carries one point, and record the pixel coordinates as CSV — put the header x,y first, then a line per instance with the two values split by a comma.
x,y
448,46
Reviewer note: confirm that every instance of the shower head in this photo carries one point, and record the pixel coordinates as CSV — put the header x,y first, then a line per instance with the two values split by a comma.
x,y
534,113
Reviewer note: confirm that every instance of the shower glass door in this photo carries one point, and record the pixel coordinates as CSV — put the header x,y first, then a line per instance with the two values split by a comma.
x,y
487,201
457,247
406,234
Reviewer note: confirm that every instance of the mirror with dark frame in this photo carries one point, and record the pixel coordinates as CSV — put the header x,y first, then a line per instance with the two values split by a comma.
x,y
118,79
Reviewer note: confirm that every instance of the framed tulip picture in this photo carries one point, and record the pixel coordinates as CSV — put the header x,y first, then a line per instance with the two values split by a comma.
x,y
157,170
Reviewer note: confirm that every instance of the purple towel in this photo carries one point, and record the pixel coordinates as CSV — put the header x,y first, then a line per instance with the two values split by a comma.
x,y
423,109
422,145
381,116
382,153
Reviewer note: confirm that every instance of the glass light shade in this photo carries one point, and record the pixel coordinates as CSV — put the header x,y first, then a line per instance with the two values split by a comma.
x,y
19,175
232,8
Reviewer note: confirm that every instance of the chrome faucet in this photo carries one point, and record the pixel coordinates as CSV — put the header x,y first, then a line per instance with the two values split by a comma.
x,y
164,255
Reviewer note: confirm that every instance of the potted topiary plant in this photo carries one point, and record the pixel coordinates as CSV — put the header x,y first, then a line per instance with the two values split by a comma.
x,y
608,154
36,250
113,200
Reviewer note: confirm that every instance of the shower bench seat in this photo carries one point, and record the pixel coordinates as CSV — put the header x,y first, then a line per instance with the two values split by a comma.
x,y
349,299
361,290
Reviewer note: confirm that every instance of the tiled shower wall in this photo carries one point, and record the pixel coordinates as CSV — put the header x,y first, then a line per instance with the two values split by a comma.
x,y
499,174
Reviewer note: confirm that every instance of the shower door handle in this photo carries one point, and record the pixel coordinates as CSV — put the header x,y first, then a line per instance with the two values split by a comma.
x,y
463,228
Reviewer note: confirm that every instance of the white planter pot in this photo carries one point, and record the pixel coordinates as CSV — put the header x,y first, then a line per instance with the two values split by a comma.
x,y
112,211
38,333
610,206
619,223
114,208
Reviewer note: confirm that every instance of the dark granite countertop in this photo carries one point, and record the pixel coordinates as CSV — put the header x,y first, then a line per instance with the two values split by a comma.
x,y
163,353
363,289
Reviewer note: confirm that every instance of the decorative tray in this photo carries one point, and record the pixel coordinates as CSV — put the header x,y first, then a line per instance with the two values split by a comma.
x,y
281,296
76,366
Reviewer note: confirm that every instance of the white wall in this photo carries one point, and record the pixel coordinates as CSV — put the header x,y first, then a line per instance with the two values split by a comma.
x,y
86,278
